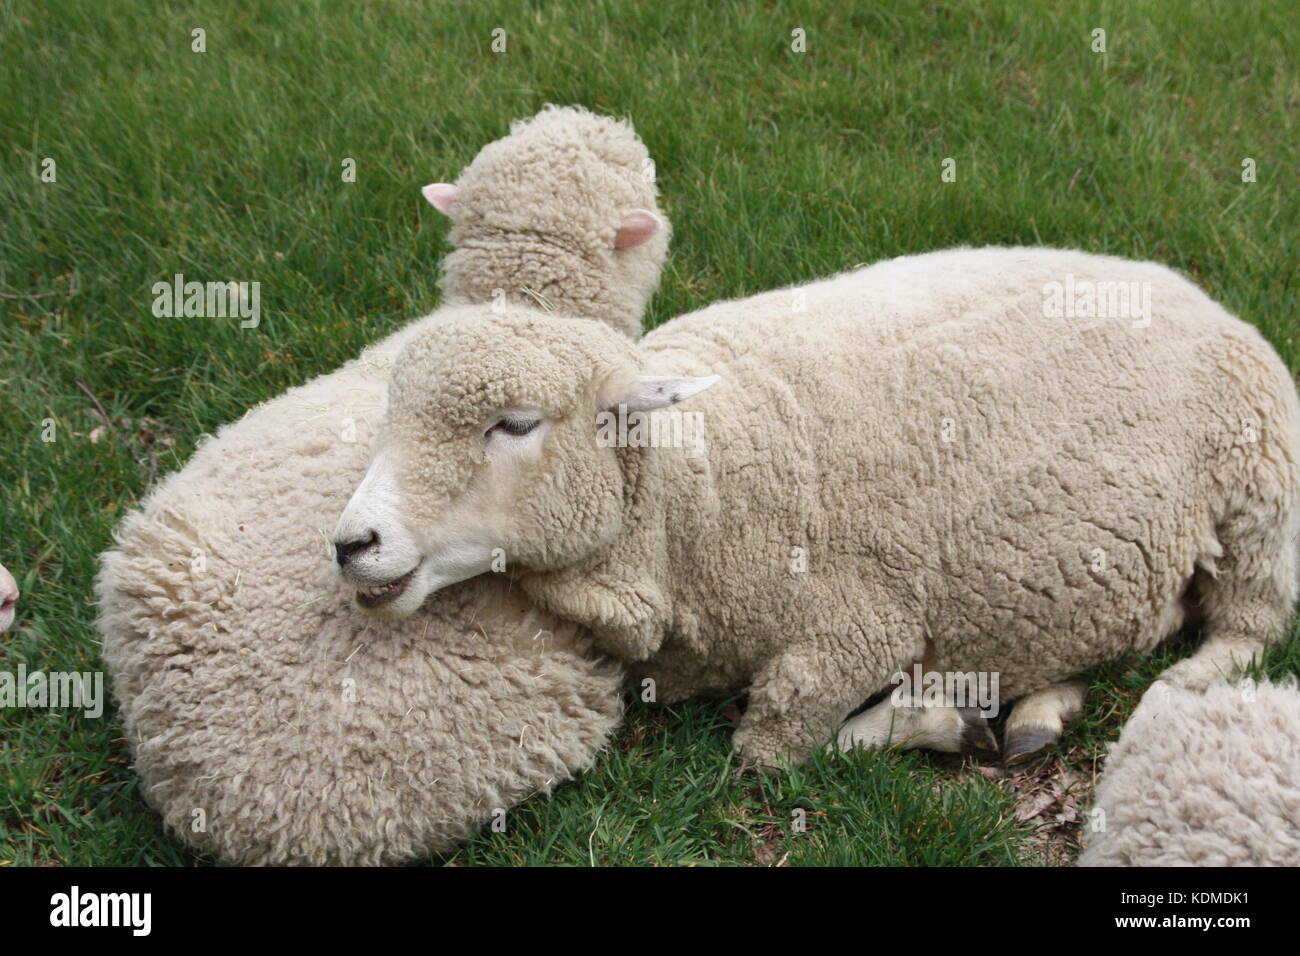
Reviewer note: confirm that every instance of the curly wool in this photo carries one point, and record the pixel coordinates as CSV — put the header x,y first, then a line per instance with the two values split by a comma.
x,y
8,598
537,216
259,702
951,460
270,721
1030,493
1202,779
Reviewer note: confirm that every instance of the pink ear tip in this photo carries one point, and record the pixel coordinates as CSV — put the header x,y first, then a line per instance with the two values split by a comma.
x,y
638,226
442,196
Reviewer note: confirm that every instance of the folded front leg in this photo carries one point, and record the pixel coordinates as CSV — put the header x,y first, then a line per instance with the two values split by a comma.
x,y
911,725
798,699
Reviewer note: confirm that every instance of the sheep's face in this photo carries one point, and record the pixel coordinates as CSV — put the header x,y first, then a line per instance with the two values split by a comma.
x,y
8,598
490,458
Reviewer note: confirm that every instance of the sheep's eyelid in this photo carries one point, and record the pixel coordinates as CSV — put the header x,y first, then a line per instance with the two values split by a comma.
x,y
522,420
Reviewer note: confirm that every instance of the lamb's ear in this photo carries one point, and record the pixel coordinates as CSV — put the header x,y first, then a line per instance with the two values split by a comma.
x,y
637,226
441,195
648,392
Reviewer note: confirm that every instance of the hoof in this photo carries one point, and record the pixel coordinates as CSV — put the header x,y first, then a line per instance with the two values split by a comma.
x,y
1028,741
977,736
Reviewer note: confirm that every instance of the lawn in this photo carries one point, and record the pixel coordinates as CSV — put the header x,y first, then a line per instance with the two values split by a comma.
x,y
775,166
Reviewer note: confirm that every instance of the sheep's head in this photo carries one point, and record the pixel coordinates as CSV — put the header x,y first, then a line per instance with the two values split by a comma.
x,y
490,458
562,211
8,598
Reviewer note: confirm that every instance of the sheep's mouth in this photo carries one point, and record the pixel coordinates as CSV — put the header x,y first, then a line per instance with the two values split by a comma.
x,y
8,603
385,593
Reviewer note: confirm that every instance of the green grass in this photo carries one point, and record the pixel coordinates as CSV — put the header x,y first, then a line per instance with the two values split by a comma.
x,y
775,167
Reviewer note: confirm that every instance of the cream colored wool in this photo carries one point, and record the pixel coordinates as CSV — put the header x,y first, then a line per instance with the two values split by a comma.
x,y
1202,779
8,598
913,450
545,239
270,721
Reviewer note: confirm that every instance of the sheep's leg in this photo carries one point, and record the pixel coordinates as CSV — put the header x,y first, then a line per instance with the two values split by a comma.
x,y
780,727
1037,720
903,719
1225,654
911,726
1246,603
798,699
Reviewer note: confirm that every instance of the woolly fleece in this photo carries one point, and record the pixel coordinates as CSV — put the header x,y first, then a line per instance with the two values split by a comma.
x,y
1032,494
536,217
8,598
251,688
1208,779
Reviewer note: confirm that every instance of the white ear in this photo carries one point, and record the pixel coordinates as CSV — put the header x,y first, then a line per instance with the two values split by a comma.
x,y
441,195
647,392
637,226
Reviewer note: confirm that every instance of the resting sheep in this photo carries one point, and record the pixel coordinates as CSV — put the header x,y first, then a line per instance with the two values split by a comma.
x,y
931,456
270,721
1202,779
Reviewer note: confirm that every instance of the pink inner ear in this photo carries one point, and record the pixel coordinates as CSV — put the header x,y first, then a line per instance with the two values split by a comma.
x,y
638,226
441,195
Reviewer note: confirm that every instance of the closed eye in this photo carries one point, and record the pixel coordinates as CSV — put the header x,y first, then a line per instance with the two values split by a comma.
x,y
517,427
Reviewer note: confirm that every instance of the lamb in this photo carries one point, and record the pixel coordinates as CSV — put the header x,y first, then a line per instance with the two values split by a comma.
x,y
272,723
1202,779
929,458
8,598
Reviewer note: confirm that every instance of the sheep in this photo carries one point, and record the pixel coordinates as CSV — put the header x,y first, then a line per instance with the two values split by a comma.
x,y
270,722
1202,779
931,455
8,598
589,241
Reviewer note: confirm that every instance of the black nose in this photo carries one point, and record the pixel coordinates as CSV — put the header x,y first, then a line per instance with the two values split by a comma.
x,y
344,550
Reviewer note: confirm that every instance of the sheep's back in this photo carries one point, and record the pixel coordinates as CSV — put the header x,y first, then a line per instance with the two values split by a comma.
x,y
1037,489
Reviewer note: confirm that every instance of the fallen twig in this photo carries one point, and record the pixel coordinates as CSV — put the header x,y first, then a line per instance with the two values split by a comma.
x,y
102,414
136,453
38,295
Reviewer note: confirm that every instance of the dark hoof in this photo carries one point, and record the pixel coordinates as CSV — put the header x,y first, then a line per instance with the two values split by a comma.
x,y
1026,742
977,736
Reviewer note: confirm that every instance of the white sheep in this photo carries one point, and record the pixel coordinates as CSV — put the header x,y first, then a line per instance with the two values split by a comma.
x,y
966,454
1202,779
270,721
8,598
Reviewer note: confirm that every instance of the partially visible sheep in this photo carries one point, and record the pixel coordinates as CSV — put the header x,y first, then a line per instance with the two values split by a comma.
x,y
572,223
272,723
1202,779
922,451
8,598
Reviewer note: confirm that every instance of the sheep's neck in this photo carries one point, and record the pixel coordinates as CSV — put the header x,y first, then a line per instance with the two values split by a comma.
x,y
624,594
599,298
